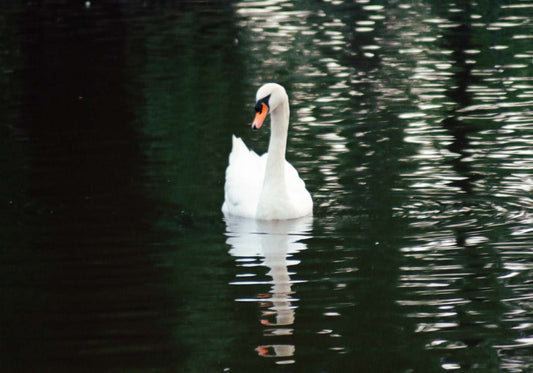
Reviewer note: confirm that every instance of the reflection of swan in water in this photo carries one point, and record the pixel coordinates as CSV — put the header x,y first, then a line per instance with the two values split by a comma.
x,y
274,242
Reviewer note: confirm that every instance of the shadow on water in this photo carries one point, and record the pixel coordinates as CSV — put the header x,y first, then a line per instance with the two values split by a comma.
x,y
81,291
480,286
476,258
473,221
459,41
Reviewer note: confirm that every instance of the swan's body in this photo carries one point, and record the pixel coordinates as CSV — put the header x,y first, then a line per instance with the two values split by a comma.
x,y
266,187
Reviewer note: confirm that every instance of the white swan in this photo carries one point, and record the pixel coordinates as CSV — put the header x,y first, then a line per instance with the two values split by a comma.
x,y
266,187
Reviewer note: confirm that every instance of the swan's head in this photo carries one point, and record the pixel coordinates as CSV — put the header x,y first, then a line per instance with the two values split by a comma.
x,y
267,99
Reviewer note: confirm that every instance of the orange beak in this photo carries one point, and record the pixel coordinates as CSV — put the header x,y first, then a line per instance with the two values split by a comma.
x,y
260,117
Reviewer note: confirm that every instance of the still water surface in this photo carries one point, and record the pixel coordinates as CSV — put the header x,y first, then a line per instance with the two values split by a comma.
x,y
411,123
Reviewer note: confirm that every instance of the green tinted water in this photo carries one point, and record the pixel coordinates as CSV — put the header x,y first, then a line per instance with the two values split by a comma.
x,y
411,124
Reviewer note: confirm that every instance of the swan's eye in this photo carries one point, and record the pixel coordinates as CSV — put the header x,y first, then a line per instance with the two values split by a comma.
x,y
262,102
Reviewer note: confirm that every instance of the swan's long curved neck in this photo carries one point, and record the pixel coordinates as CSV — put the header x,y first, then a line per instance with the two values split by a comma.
x,y
275,167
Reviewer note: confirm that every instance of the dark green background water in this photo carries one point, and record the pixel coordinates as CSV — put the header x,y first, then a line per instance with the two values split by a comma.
x,y
411,123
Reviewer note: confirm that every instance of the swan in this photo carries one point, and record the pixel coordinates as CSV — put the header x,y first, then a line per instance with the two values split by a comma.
x,y
266,187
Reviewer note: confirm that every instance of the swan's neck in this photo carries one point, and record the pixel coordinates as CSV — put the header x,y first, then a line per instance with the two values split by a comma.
x,y
274,201
275,167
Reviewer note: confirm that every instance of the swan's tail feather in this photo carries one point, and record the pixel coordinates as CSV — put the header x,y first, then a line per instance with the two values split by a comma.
x,y
239,148
243,180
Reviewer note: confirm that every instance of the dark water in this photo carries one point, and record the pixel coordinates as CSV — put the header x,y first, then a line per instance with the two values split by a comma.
x,y
412,125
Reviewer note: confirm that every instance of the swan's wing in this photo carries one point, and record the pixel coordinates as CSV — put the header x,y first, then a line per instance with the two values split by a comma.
x,y
298,193
244,178
292,177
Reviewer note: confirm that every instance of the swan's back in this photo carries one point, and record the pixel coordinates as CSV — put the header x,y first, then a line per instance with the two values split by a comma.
x,y
244,184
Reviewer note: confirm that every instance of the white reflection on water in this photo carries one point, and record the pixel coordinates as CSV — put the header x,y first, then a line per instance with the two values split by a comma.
x,y
462,106
272,243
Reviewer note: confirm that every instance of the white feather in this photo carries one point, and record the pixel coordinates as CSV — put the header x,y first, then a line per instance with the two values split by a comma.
x,y
266,187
